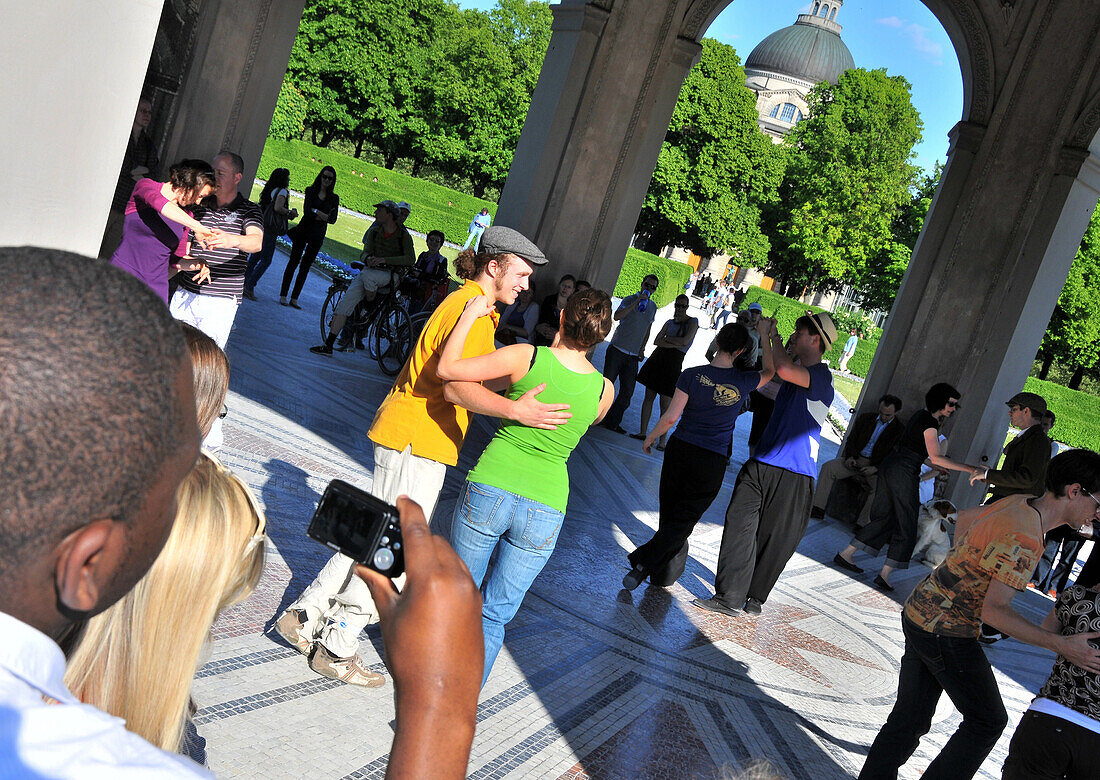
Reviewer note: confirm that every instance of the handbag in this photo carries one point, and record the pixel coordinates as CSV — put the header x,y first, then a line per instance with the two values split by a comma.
x,y
274,220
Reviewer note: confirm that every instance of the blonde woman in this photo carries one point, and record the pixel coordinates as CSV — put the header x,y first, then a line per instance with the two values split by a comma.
x,y
136,660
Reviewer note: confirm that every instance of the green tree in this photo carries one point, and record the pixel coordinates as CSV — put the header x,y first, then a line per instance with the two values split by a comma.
x,y
288,121
1073,335
716,169
478,84
879,283
849,173
360,65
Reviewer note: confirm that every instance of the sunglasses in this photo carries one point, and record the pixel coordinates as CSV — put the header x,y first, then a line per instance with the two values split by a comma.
x,y
954,405
225,411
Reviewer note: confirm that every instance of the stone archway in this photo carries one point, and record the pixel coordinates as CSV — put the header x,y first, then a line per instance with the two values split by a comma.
x,y
1013,203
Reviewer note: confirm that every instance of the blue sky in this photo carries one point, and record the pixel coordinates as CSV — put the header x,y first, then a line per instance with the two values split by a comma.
x,y
901,36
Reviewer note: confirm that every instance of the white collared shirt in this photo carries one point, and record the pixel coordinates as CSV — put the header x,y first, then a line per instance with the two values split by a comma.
x,y
46,732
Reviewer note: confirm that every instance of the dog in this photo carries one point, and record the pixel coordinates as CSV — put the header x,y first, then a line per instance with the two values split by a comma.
x,y
937,517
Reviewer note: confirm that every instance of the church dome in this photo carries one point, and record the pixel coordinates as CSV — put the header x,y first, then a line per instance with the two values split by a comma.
x,y
810,49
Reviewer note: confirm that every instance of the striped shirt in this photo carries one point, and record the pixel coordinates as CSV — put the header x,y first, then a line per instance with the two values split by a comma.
x,y
227,264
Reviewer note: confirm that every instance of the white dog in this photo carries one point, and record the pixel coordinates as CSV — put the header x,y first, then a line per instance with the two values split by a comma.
x,y
936,518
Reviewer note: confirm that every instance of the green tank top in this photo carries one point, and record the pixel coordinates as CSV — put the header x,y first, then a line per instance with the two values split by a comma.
x,y
530,462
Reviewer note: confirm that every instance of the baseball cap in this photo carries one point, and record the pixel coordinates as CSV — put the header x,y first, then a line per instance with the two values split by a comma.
x,y
404,205
1032,401
500,240
755,306
825,327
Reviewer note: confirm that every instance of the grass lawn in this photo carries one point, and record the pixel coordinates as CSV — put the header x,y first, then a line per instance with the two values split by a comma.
x,y
849,388
344,238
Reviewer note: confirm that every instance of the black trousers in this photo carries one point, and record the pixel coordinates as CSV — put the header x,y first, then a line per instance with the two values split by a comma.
x,y
619,365
894,509
934,664
765,521
691,478
302,255
1045,746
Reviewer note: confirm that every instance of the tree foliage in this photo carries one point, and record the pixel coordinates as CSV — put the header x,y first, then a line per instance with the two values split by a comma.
x,y
878,285
849,173
289,118
1073,335
421,79
716,169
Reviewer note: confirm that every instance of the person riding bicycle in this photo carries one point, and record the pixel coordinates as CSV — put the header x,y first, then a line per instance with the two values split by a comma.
x,y
386,243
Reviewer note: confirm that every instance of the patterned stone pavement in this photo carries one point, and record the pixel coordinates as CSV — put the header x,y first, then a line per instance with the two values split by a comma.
x,y
593,682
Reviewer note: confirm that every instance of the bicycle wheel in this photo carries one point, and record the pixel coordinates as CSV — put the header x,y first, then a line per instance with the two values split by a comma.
x,y
416,322
335,293
392,337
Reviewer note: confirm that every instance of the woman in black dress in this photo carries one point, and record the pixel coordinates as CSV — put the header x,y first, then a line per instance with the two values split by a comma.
x,y
321,208
896,504
551,309
661,370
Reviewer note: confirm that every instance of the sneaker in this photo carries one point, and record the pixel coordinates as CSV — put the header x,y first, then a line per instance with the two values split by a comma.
x,y
290,627
351,670
714,605
294,303
344,346
321,349
248,293
282,301
753,607
634,578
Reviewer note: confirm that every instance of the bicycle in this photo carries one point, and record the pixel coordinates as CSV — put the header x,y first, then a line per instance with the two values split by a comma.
x,y
382,324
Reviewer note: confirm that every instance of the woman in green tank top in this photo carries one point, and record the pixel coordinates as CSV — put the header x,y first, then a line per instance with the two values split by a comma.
x,y
517,492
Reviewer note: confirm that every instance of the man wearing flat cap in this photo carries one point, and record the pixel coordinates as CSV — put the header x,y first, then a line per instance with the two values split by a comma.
x,y
417,432
770,507
385,244
1026,457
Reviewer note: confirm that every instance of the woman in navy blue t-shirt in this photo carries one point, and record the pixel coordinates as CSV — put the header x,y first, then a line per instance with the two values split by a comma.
x,y
707,401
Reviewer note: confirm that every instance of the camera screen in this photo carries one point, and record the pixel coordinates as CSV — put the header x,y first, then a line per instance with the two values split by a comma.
x,y
348,523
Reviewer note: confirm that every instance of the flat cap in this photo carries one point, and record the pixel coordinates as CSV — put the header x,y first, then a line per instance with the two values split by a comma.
x,y
1032,401
499,240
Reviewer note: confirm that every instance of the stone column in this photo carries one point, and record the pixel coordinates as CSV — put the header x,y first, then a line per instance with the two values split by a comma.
x,y
232,82
999,240
72,77
590,142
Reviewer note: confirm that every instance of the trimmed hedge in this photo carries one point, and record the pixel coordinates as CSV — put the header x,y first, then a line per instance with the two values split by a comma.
x,y
787,310
1078,423
434,207
673,275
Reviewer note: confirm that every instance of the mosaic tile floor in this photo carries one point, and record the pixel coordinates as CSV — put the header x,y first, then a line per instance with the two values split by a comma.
x,y
593,682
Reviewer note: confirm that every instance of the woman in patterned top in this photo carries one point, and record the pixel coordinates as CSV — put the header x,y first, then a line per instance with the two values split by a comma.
x,y
1059,735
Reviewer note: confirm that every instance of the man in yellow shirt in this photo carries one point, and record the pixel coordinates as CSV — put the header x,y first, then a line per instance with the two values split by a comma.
x,y
417,432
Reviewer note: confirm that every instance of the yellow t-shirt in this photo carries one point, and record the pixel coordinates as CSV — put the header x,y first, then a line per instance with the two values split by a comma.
x,y
415,411
1004,543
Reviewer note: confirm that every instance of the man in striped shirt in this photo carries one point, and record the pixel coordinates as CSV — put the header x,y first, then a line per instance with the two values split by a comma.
x,y
211,306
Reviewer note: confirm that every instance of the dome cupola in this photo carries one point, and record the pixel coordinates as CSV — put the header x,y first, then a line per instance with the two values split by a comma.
x,y
809,50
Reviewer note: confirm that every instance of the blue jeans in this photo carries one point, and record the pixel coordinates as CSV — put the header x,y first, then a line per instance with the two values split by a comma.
x,y
474,238
528,530
259,262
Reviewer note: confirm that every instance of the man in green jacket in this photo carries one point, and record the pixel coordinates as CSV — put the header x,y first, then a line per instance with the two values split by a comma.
x,y
386,243
1026,457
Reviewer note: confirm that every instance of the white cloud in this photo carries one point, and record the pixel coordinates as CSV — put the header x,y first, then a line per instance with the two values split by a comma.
x,y
918,38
